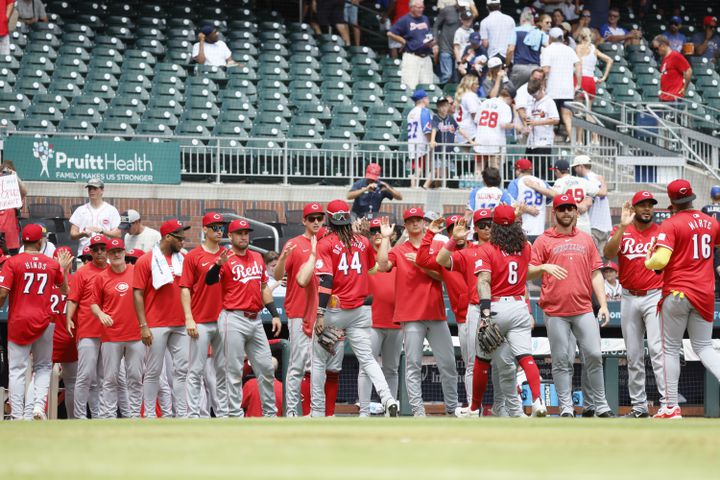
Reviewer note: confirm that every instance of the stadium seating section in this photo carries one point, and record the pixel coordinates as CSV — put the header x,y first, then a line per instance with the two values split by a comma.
x,y
125,68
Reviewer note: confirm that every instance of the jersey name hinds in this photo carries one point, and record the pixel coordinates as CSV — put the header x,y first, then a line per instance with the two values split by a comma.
x,y
633,249
245,274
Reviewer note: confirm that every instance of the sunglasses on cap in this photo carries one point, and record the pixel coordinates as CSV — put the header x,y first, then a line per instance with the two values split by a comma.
x,y
315,218
375,230
340,216
566,208
175,235
214,228
483,224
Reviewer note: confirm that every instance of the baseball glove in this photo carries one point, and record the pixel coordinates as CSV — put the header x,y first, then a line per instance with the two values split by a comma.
x,y
329,338
489,336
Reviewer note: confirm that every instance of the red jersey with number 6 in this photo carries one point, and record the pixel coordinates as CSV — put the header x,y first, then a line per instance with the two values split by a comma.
x,y
349,269
508,273
30,278
691,235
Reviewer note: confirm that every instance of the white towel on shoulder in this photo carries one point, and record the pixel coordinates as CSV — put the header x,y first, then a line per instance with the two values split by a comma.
x,y
162,273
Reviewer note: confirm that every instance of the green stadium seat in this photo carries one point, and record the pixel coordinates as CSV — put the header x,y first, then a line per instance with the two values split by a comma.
x,y
134,91
45,38
382,125
166,103
57,101
76,125
9,110
304,73
37,125
226,129
175,56
41,49
86,113
321,112
130,78
305,85
236,118
103,52
244,86
30,86
44,111
269,85
385,112
335,60
74,52
350,110
276,48
99,89
29,74
335,73
192,127
367,99
346,122
360,72
203,106
116,126
123,113
129,103
109,42
170,69
363,51
10,63
4,85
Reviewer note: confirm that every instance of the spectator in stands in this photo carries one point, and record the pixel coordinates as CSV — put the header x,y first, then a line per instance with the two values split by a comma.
x,y
570,9
331,13
467,104
446,24
531,203
707,42
94,217
675,71
584,22
530,38
444,128
470,58
567,35
676,38
369,192
461,39
138,235
6,9
276,285
31,11
589,56
419,125
494,118
413,32
540,120
600,218
9,226
614,33
497,31
490,194
523,99
210,50
497,79
351,18
613,289
47,247
561,63
396,9
558,17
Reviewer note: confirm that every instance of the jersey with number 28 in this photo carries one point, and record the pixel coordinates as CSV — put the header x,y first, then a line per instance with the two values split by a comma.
x,y
30,278
349,268
692,236
508,273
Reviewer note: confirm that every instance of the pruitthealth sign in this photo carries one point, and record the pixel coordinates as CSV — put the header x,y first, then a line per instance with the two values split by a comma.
x,y
70,160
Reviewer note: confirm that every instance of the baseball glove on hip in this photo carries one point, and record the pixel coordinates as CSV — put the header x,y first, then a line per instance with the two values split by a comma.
x,y
489,336
329,338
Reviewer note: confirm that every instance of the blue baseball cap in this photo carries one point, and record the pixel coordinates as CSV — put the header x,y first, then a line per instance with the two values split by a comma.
x,y
207,29
475,38
715,191
676,20
418,94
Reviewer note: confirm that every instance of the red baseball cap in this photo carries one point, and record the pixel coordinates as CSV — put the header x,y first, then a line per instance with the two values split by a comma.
x,y
239,224
373,171
116,244
504,215
482,214
86,252
524,164
32,232
172,226
98,240
56,252
339,212
311,208
413,212
642,196
134,253
680,191
212,217
611,265
710,21
375,222
564,199
452,220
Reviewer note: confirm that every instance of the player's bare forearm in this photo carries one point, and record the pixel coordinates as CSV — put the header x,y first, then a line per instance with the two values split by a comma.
x,y
75,232
267,295
95,309
612,247
444,258
70,309
383,262
432,274
598,284
307,270
114,233
535,272
139,301
483,285
185,300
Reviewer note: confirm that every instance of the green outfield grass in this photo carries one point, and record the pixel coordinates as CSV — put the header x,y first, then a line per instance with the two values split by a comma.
x,y
349,448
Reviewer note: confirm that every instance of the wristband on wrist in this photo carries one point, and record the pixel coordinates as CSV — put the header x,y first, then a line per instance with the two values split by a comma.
x,y
484,305
271,308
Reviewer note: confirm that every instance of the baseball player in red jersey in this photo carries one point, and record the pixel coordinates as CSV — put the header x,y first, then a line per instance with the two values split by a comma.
x,y
345,260
570,267
502,275
27,278
641,292
202,304
386,339
462,261
420,309
294,255
243,280
64,347
86,329
684,253
112,304
156,295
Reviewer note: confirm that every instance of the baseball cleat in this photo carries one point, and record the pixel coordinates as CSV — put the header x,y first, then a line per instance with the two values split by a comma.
x,y
465,412
392,408
589,413
39,414
538,409
636,414
608,414
669,413
568,414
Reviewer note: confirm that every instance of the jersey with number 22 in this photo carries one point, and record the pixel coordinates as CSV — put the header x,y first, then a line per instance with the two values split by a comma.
x,y
349,268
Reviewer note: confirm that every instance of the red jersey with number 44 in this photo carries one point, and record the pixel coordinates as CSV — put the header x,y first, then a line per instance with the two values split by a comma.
x,y
205,300
508,273
349,269
113,293
631,258
691,235
242,277
29,277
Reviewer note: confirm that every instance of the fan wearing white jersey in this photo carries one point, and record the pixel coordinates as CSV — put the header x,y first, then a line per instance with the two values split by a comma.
x,y
493,118
490,195
532,203
419,125
600,217
95,217
468,104
541,116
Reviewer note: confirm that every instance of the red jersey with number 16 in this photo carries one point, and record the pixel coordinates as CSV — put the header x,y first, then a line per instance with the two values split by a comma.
x,y
508,273
691,235
29,277
349,269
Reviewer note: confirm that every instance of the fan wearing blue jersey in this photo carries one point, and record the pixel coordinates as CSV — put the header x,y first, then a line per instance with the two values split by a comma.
x,y
419,125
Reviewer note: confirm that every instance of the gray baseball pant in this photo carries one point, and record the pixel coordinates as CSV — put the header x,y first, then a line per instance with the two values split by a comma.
x,y
298,364
123,401
208,334
467,359
357,324
676,316
18,363
386,345
175,341
89,378
209,392
638,316
438,335
112,355
587,332
69,374
244,336
165,393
